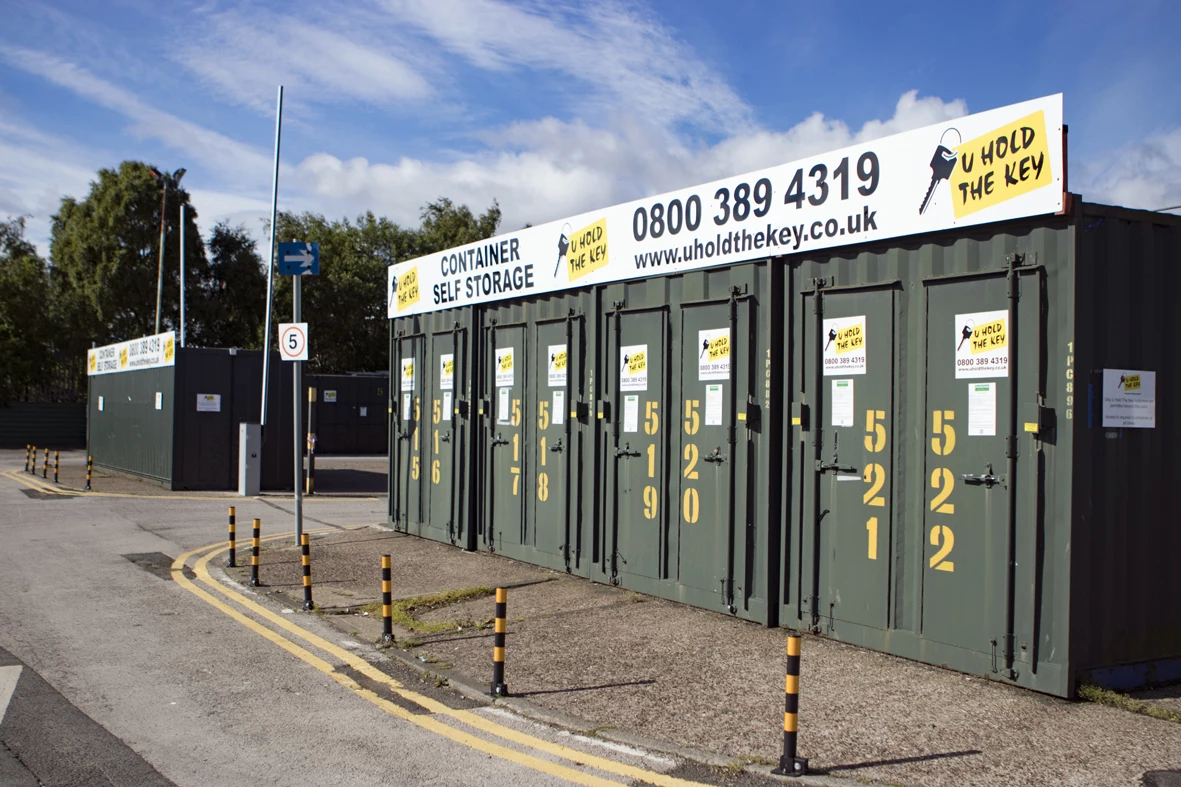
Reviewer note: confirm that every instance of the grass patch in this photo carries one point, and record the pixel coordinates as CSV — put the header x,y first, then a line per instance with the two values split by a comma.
x,y
404,611
1114,699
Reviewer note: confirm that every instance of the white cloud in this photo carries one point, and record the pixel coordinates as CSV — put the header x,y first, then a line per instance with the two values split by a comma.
x,y
621,59
1144,175
219,153
244,55
550,168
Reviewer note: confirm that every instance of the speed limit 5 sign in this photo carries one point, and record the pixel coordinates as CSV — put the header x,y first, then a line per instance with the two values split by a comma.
x,y
293,341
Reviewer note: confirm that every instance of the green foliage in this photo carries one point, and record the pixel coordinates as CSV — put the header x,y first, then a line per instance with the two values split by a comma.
x,y
345,306
24,321
231,311
105,254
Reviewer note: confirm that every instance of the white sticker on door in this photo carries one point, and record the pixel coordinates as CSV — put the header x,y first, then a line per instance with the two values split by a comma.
x,y
713,405
559,408
844,346
842,403
631,413
982,344
405,407
504,367
407,374
502,406
982,409
557,366
446,405
446,372
633,368
713,354
1129,398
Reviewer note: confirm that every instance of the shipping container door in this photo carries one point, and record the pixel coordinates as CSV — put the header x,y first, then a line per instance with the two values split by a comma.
x,y
849,349
637,382
711,500
409,507
507,438
969,380
440,382
554,372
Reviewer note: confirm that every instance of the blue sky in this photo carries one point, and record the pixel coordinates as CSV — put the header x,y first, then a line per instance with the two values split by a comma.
x,y
551,107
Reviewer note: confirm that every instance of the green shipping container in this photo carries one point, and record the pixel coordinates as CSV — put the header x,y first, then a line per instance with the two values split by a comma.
x,y
911,448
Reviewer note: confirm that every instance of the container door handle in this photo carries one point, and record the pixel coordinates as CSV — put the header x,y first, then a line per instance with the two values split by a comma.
x,y
987,479
626,451
557,447
446,438
498,440
716,456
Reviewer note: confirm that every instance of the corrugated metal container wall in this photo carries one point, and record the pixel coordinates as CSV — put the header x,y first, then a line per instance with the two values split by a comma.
x,y
206,455
683,439
1125,582
430,436
534,459
129,433
916,486
351,413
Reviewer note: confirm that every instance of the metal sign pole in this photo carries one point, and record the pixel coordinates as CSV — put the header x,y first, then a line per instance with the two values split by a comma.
x,y
266,343
297,410
182,274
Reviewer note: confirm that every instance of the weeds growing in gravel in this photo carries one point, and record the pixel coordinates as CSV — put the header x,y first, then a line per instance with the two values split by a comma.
x,y
1122,701
404,611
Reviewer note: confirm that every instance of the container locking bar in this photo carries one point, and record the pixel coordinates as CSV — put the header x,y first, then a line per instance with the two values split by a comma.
x,y
626,451
987,479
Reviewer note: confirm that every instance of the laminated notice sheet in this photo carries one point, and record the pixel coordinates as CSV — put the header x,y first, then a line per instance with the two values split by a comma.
x,y
713,405
631,413
981,409
502,405
446,405
559,408
842,402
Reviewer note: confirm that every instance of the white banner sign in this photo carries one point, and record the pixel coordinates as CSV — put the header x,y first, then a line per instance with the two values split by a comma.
x,y
993,166
1129,398
150,352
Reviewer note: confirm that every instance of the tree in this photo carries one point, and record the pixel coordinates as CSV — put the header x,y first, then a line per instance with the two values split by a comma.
x,y
105,251
345,306
230,312
24,313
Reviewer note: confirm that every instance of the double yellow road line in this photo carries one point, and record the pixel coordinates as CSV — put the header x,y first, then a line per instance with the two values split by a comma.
x,y
439,719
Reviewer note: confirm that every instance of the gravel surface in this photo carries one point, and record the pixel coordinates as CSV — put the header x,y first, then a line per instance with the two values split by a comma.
x,y
701,679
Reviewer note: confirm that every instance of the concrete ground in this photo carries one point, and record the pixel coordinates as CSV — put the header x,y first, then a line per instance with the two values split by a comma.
x,y
336,476
626,663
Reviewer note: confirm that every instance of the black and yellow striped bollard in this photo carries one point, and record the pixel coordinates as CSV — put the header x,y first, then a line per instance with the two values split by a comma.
x,y
27,447
305,556
387,601
789,763
45,465
89,469
33,467
499,687
254,544
232,562
56,460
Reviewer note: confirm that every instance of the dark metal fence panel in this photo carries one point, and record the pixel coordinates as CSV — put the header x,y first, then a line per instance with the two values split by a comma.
x,y
54,424
131,421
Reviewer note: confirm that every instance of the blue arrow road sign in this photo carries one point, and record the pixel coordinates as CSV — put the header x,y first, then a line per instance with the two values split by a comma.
x,y
299,259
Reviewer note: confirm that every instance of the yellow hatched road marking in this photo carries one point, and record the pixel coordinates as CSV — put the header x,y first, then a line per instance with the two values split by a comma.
x,y
201,569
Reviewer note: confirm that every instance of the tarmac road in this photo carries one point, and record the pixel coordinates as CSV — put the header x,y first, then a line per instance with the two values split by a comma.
x,y
129,678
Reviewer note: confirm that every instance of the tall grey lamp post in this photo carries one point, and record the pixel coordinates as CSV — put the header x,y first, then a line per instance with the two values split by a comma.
x,y
165,180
